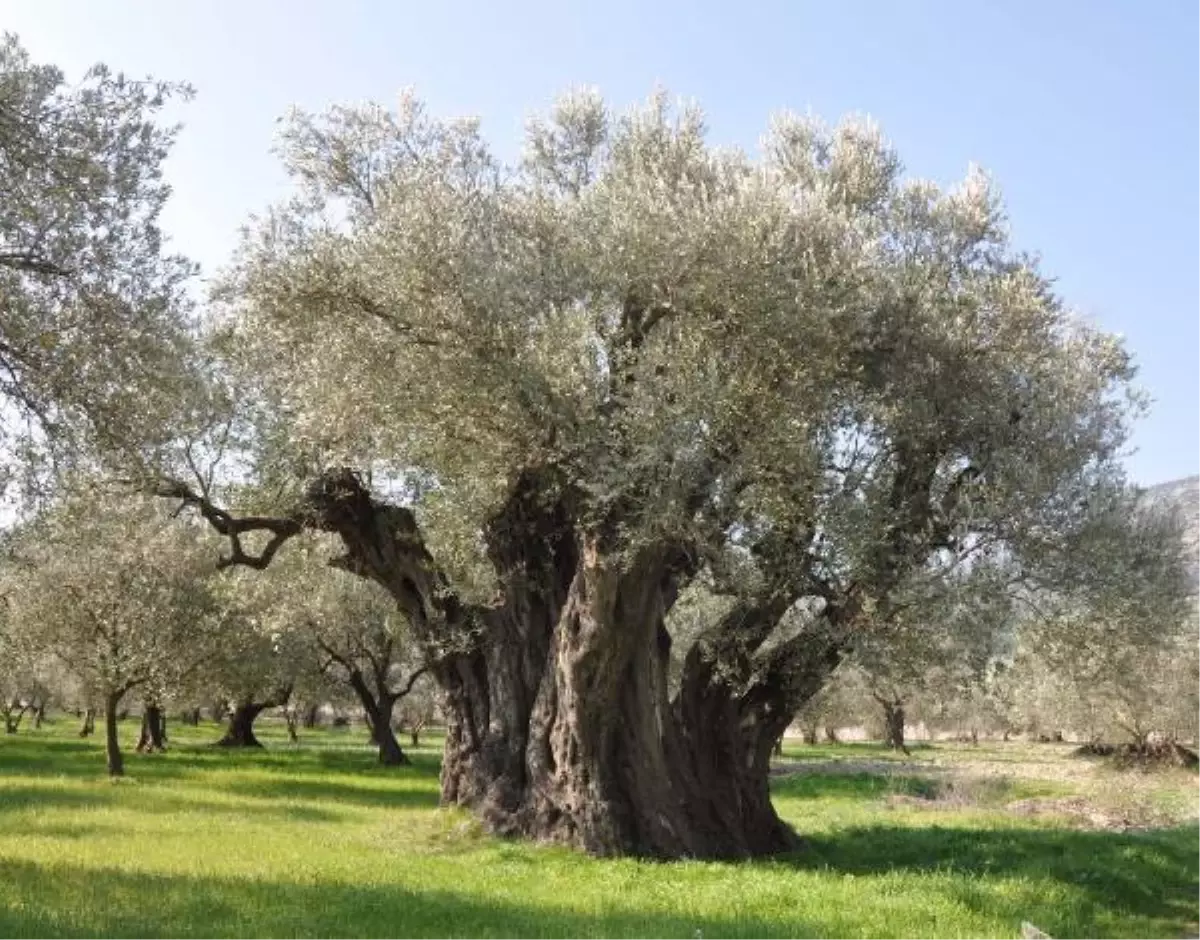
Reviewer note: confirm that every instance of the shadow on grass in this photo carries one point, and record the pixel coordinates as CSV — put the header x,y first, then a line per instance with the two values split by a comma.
x,y
422,797
41,756
16,799
71,901
849,786
1152,873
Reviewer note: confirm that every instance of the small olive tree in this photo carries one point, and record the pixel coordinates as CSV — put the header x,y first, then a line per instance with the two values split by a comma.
x,y
117,593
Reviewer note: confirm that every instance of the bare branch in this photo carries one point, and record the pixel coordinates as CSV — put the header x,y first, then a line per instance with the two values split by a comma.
x,y
233,527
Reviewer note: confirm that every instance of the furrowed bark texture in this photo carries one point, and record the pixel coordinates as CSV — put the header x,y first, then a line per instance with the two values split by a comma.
x,y
560,725
153,736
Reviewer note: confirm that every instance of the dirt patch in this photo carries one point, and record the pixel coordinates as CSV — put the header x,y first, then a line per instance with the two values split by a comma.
x,y
1081,813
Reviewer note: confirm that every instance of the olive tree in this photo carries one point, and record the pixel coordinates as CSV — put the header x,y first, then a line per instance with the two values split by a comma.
x,y
119,594
363,641
94,341
535,402
261,660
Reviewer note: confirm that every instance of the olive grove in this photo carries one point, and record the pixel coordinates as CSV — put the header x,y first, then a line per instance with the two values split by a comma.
x,y
636,439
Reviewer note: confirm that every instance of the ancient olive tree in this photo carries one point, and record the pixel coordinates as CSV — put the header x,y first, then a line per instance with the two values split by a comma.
x,y
536,402
119,595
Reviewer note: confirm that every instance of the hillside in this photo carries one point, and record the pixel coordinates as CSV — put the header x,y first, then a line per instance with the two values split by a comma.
x,y
1184,496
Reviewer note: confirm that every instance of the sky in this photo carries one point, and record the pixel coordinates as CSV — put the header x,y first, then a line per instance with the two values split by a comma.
x,y
1085,113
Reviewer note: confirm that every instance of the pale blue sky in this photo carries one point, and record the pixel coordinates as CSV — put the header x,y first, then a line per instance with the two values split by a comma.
x,y
1085,112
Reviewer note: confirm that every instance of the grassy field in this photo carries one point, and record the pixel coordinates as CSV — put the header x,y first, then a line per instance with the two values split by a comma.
x,y
314,839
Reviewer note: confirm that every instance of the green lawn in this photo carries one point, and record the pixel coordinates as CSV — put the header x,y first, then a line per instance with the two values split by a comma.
x,y
316,840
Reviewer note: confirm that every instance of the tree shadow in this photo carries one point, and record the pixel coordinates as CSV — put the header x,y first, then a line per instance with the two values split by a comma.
x,y
16,800
74,901
805,785
336,792
1151,873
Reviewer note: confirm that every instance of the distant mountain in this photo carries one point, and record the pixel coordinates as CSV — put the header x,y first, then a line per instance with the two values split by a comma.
x,y
1184,497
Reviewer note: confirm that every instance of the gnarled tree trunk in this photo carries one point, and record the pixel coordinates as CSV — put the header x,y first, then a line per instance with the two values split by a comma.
x,y
559,724
240,730
893,724
378,709
153,736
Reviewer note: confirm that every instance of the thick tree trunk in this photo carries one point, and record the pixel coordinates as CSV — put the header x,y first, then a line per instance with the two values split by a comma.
x,y
311,714
89,723
112,744
153,736
558,722
893,725
240,730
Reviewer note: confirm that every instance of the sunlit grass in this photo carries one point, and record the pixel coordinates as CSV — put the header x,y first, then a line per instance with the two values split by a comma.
x,y
316,839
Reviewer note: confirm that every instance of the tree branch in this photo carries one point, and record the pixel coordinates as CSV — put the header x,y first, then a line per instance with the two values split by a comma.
x,y
233,527
412,680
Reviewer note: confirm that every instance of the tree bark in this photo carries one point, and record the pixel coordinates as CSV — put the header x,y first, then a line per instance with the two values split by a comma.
x,y
378,707
240,730
893,725
39,714
153,735
311,714
13,714
89,723
559,724
112,744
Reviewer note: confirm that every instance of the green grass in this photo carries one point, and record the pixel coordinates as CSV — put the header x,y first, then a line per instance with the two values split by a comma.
x,y
316,839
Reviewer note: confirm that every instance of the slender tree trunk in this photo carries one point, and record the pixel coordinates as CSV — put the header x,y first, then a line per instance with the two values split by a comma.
x,y
89,723
311,714
13,715
112,744
39,714
378,709
893,726
831,736
153,736
291,719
